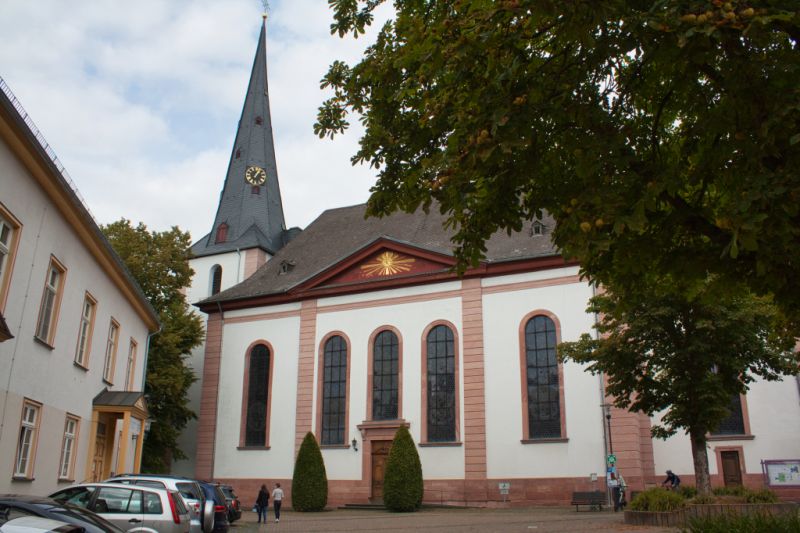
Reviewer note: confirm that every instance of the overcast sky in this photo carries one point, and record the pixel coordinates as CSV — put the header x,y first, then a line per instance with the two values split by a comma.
x,y
140,101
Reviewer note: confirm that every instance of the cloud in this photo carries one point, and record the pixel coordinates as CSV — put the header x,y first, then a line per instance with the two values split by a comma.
x,y
141,101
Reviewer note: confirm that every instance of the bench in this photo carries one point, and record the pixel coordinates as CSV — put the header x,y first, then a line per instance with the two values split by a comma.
x,y
594,499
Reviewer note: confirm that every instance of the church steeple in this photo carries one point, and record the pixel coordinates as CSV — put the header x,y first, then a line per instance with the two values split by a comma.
x,y
250,213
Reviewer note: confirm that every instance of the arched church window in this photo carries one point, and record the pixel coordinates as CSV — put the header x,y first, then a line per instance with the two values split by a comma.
x,y
334,391
733,424
257,416
222,233
441,384
216,279
542,380
385,373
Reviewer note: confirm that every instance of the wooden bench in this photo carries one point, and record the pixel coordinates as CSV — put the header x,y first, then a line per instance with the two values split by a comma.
x,y
594,499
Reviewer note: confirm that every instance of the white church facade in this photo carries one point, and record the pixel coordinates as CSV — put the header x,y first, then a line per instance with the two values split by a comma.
x,y
354,327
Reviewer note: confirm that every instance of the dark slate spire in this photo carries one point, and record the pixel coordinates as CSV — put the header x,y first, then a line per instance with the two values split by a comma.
x,y
250,216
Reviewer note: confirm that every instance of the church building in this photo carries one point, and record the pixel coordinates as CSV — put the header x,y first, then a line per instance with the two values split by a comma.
x,y
354,327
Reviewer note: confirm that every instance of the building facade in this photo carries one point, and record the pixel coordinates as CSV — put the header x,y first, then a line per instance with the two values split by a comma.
x,y
73,348
355,327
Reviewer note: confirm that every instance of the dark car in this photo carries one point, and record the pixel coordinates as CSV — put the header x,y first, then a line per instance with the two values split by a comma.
x,y
14,506
214,494
234,506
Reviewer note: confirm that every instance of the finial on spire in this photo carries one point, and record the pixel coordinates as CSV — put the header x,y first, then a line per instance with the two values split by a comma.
x,y
265,5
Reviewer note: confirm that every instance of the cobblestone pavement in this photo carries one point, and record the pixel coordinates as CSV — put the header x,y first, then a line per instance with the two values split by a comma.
x,y
529,520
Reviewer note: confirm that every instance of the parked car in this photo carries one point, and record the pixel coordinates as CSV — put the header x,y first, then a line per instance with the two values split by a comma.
x,y
37,524
234,505
13,506
214,494
133,508
189,490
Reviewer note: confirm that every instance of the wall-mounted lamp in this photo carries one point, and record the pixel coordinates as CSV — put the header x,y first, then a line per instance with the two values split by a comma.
x,y
355,445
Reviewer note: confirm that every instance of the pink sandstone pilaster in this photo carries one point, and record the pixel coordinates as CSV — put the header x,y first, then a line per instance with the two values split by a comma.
x,y
207,417
253,258
474,392
305,371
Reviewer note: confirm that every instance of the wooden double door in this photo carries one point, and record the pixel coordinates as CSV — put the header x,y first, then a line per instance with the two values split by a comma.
x,y
379,456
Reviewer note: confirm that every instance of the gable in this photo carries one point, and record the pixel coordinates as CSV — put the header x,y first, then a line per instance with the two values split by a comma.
x,y
382,261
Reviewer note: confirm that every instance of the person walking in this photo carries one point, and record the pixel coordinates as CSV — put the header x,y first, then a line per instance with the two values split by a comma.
x,y
262,501
277,498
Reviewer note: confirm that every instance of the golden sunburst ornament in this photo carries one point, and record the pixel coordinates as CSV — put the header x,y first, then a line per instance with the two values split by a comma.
x,y
387,264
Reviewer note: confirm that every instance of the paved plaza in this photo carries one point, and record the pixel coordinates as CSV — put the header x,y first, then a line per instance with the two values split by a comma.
x,y
529,520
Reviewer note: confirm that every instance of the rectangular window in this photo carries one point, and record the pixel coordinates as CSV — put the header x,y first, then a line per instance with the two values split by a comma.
x,y
51,300
26,446
733,424
111,351
130,369
85,331
9,236
67,467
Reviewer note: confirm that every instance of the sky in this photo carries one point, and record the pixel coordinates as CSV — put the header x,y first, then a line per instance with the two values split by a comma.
x,y
140,101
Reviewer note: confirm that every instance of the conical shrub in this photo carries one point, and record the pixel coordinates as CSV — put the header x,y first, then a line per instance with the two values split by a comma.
x,y
309,481
402,483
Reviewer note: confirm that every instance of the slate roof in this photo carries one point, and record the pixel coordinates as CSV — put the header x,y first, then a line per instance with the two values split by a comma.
x,y
117,398
254,220
339,233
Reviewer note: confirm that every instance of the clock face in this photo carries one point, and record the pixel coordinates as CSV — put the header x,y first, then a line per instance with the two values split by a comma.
x,y
255,175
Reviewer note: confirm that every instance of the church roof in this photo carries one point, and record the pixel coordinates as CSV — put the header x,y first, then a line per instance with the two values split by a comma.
x,y
252,214
341,233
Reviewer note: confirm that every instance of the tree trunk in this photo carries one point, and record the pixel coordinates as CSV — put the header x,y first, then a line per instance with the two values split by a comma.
x,y
700,457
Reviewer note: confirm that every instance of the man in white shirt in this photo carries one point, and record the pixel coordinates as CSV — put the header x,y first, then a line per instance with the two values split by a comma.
x,y
277,498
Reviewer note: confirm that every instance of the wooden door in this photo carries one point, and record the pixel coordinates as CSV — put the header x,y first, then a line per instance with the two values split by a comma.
x,y
731,470
380,453
98,461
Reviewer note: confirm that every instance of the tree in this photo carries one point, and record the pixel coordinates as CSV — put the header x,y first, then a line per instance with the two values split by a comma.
x,y
660,135
682,353
402,483
309,480
159,263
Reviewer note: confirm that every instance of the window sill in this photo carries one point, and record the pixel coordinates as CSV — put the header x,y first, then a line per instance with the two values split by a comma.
x,y
544,441
334,446
66,480
712,438
44,343
439,444
24,479
85,368
107,382
249,448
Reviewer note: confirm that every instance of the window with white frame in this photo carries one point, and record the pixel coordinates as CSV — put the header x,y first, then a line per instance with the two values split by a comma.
x,y
111,351
51,298
9,230
85,331
67,465
26,446
131,366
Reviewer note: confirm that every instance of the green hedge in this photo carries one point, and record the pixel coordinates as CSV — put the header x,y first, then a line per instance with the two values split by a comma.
x,y
309,481
757,523
402,483
657,499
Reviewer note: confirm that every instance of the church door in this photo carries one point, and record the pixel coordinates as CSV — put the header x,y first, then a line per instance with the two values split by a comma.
x,y
731,471
380,453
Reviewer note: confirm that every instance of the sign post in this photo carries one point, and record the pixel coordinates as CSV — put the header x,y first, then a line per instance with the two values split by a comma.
x,y
504,487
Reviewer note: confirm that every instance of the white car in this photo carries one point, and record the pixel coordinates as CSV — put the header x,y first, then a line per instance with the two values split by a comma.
x,y
132,508
37,524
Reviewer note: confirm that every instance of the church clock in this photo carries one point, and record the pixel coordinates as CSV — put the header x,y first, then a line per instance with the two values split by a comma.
x,y
255,175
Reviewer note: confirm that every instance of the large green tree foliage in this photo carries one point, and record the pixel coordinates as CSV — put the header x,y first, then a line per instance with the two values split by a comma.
x,y
660,134
681,353
309,479
402,484
159,262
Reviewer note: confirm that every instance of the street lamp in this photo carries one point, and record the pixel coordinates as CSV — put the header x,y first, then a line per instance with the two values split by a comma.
x,y
607,409
355,445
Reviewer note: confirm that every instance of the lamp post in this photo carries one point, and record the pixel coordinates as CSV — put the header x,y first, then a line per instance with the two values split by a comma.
x,y
607,408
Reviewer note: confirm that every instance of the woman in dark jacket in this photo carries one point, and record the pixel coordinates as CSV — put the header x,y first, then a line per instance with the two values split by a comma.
x,y
261,503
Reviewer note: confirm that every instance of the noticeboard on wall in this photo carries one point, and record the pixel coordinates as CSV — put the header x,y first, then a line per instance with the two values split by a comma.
x,y
783,473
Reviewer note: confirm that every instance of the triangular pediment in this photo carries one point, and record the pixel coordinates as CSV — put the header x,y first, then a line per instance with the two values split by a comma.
x,y
383,260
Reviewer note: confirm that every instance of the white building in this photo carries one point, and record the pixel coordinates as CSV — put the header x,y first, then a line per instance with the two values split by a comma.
x,y
74,346
355,327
